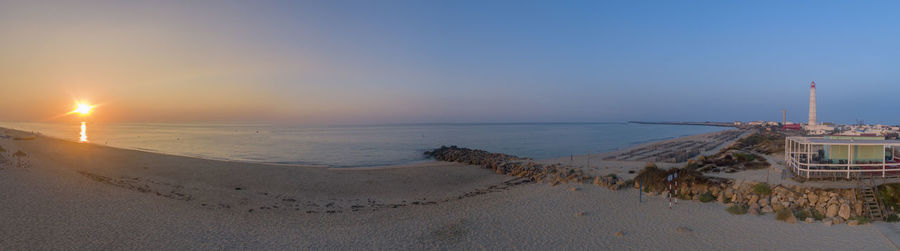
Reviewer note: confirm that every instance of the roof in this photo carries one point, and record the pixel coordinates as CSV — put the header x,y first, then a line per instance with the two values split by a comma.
x,y
824,141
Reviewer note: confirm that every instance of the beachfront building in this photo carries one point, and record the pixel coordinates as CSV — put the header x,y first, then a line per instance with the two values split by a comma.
x,y
841,157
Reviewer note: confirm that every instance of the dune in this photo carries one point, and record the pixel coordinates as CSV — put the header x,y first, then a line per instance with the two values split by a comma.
x,y
85,196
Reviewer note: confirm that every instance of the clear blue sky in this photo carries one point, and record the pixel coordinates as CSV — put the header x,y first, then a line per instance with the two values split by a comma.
x,y
477,61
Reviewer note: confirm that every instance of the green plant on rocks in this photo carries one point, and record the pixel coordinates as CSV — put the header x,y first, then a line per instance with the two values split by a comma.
x,y
762,189
802,214
862,219
707,197
737,209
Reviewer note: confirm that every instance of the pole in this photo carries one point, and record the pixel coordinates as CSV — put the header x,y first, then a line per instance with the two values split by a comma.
x,y
849,162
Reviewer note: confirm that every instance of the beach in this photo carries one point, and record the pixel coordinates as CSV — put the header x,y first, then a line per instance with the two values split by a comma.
x,y
86,196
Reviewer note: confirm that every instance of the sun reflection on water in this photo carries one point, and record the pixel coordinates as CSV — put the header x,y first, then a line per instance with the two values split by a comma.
x,y
83,132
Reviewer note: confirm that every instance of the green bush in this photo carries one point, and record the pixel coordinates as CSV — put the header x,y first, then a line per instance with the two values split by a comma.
x,y
762,189
783,214
707,197
802,215
737,209
862,219
743,157
612,175
892,218
816,215
890,195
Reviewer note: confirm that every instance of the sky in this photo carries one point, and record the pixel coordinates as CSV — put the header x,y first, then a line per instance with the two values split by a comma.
x,y
371,62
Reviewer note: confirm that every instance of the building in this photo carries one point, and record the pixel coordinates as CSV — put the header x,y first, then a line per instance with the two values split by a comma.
x,y
841,157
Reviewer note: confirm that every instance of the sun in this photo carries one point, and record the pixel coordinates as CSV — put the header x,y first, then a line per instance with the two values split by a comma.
x,y
83,108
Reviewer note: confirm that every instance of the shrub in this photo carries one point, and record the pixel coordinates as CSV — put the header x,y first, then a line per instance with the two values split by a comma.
x,y
783,214
816,214
762,189
707,197
892,218
612,175
743,157
862,219
802,215
737,209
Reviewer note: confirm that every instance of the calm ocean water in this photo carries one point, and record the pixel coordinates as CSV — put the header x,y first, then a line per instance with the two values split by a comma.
x,y
356,146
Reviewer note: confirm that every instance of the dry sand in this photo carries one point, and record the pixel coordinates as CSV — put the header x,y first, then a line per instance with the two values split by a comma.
x,y
80,196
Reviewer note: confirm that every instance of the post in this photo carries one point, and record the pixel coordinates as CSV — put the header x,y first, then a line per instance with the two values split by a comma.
x,y
883,161
849,161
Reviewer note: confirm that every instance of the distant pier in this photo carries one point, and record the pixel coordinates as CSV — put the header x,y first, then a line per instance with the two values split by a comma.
x,y
707,123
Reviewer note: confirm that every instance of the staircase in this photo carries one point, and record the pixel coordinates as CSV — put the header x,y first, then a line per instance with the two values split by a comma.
x,y
871,200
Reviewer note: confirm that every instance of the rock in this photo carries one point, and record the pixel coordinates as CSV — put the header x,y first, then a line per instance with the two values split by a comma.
x,y
820,209
813,198
844,212
828,222
721,198
579,214
753,211
831,211
791,219
766,209
754,199
573,189
683,230
620,234
810,220
764,201
838,220
852,223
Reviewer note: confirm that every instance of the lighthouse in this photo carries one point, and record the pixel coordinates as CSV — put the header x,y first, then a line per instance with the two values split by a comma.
x,y
812,103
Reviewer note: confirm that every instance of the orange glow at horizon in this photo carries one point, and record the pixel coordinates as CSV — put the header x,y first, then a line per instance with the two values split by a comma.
x,y
83,138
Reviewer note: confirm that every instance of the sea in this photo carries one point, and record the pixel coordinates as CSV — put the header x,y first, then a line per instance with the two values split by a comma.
x,y
348,146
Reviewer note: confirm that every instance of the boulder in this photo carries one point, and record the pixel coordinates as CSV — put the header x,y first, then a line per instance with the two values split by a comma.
x,y
831,211
753,211
838,220
844,211
620,234
766,210
852,223
810,220
827,222
791,219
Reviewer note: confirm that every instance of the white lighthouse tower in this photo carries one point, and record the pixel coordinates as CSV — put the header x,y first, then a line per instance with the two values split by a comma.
x,y
812,103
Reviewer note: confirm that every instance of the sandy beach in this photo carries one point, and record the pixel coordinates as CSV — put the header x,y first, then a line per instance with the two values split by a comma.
x,y
85,196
